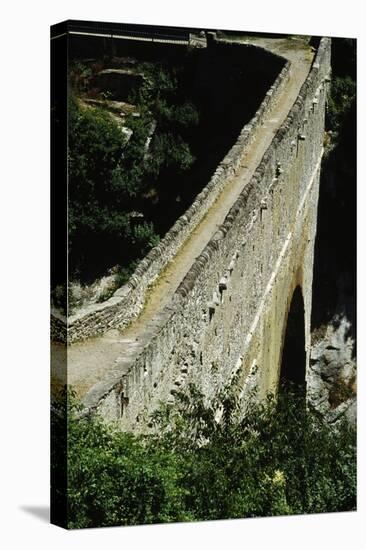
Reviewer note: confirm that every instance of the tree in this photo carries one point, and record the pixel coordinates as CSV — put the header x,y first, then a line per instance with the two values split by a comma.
x,y
278,459
105,176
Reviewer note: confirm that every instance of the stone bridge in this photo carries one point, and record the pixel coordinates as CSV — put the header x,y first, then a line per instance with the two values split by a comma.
x,y
227,293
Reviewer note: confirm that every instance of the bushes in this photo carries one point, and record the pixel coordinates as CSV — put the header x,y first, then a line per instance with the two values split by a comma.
x,y
116,478
343,86
280,459
343,94
105,176
111,176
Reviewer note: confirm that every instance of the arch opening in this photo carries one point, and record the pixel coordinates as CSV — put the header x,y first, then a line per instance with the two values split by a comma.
x,y
293,364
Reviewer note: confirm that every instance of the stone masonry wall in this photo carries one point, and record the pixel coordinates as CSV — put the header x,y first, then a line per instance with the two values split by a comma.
x,y
229,314
127,302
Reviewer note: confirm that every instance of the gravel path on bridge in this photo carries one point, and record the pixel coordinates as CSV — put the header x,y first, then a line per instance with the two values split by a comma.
x,y
90,361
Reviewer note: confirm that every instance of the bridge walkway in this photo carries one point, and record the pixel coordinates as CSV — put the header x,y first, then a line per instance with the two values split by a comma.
x,y
90,361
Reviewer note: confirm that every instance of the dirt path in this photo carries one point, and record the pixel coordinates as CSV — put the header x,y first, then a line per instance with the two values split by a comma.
x,y
89,361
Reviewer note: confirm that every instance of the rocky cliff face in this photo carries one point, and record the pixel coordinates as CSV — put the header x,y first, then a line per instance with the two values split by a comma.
x,y
332,373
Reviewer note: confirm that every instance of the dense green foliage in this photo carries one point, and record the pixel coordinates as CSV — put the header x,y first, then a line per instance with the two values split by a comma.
x,y
343,85
279,459
343,93
104,176
112,177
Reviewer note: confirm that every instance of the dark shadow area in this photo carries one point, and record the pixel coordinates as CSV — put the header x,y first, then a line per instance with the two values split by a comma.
x,y
227,84
224,83
58,134
40,512
293,356
315,41
334,280
344,57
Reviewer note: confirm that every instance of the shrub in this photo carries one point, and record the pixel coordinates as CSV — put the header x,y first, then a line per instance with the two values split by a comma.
x,y
343,93
111,176
280,459
105,176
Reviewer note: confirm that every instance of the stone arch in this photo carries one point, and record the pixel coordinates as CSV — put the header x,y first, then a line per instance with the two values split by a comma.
x,y
293,356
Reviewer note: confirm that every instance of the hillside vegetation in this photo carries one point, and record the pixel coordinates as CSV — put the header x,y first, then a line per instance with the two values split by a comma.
x,y
280,459
112,178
